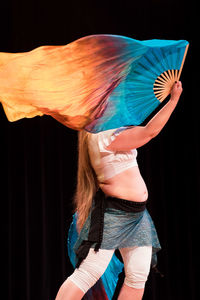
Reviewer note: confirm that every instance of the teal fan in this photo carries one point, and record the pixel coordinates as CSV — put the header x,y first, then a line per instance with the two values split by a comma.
x,y
148,81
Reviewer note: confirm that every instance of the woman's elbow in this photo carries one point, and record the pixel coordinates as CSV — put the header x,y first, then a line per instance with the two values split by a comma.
x,y
151,133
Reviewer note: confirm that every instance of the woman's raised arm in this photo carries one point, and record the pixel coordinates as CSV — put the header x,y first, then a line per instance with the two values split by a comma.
x,y
140,135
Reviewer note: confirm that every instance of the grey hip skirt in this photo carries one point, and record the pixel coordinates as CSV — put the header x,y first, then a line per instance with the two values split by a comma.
x,y
115,223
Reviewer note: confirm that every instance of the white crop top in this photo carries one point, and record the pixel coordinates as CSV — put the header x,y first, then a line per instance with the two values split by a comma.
x,y
108,163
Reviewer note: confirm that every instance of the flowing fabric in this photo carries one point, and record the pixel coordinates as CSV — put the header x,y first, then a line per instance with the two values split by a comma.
x,y
105,287
97,82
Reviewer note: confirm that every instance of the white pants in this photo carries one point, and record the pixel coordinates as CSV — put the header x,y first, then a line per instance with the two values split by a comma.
x,y
137,261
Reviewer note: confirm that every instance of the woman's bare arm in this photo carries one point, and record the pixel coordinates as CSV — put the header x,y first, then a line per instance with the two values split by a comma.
x,y
140,135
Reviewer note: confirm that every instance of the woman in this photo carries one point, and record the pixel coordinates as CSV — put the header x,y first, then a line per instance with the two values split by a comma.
x,y
112,156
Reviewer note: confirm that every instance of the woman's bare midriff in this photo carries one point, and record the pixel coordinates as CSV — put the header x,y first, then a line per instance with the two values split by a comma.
x,y
127,185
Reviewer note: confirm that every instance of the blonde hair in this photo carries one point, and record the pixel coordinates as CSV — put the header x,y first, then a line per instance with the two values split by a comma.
x,y
87,184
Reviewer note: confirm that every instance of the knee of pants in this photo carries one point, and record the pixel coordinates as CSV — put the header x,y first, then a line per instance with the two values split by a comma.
x,y
137,271
136,279
91,269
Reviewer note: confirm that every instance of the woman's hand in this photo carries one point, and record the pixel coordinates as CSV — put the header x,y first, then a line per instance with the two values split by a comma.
x,y
176,91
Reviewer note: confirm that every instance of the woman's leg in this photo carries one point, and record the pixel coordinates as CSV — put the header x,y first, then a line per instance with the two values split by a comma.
x,y
84,277
137,261
69,290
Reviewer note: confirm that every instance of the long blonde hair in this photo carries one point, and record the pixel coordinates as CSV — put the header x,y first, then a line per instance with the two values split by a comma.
x,y
86,181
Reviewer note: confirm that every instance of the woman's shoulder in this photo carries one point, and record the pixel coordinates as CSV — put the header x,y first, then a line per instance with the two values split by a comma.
x,y
104,138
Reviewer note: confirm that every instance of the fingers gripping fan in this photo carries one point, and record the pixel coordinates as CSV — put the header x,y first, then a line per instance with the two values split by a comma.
x,y
97,82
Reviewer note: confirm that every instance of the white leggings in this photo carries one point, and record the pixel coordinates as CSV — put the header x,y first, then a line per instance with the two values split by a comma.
x,y
137,261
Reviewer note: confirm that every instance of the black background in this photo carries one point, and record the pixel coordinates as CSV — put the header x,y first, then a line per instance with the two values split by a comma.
x,y
39,155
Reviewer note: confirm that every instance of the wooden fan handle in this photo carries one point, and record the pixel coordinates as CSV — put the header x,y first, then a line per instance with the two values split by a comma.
x,y
179,73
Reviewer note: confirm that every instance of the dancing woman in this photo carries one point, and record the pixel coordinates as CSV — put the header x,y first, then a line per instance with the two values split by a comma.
x,y
109,181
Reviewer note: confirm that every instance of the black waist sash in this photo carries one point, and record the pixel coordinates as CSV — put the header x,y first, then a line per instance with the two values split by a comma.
x,y
101,202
